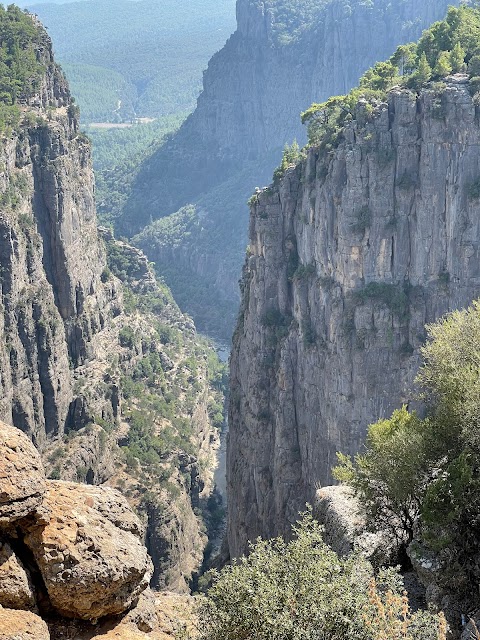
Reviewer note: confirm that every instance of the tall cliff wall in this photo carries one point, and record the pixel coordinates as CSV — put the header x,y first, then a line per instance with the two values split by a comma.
x,y
98,366
283,57
350,255
52,295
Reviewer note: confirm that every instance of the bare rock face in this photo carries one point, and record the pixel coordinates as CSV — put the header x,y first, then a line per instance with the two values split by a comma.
x,y
91,554
350,256
345,527
22,479
22,625
53,299
16,590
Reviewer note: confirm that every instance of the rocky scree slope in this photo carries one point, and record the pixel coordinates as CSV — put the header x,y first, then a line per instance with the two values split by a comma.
x,y
350,255
101,371
282,57
72,558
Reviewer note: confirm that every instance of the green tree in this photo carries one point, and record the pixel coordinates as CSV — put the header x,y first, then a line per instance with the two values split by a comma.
x,y
474,65
423,73
457,58
426,473
405,58
391,476
443,66
301,590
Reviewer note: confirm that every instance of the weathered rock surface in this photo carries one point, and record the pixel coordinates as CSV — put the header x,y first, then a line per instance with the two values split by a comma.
x,y
22,478
345,527
53,298
254,91
90,554
63,364
22,625
350,256
16,589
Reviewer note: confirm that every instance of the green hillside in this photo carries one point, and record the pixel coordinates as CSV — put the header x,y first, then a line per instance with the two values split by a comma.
x,y
145,58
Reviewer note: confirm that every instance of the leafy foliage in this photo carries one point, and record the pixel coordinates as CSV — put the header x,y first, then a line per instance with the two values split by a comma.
x,y
20,71
448,46
425,474
301,589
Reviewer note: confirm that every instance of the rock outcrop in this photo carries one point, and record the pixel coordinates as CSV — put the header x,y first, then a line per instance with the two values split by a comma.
x,y
16,589
22,478
90,554
253,92
22,625
86,560
345,527
350,255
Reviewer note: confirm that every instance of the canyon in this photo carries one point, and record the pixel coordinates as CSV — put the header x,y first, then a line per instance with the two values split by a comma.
x,y
282,57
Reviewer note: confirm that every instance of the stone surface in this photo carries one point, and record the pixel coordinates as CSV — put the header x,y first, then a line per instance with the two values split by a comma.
x,y
333,311
16,590
22,625
91,554
22,479
169,613
343,518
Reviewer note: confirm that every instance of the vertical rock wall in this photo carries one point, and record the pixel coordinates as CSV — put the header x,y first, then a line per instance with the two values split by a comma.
x,y
350,256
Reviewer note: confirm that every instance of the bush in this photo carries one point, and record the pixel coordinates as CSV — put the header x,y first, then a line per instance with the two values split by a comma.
x,y
301,590
425,474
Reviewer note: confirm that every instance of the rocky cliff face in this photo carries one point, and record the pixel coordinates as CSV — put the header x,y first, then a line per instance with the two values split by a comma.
x,y
98,366
350,255
283,57
53,300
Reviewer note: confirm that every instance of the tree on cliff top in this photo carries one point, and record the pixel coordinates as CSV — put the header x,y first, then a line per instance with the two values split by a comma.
x,y
447,46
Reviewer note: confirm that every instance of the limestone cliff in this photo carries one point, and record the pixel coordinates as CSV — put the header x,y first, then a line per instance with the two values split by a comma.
x,y
53,300
350,255
282,57
98,366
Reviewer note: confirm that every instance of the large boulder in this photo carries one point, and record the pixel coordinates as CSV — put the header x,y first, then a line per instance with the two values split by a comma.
x,y
22,478
22,625
345,526
16,591
91,553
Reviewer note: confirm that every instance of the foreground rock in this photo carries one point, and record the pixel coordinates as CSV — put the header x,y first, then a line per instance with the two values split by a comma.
x,y
162,616
345,524
91,554
22,479
22,625
16,591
